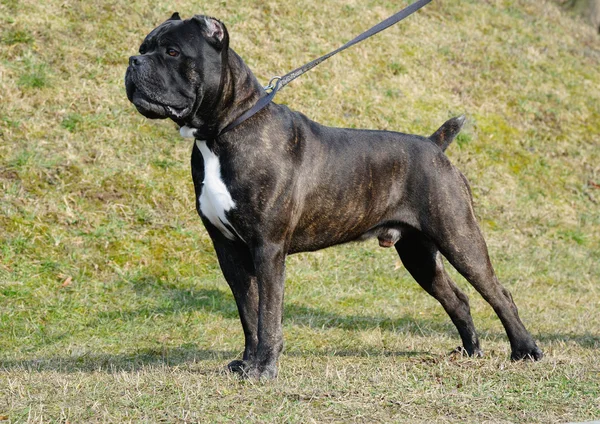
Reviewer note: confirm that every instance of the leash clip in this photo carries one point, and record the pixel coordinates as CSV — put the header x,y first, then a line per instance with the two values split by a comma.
x,y
273,83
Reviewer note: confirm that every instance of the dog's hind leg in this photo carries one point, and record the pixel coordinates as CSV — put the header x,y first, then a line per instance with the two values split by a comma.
x,y
459,239
238,269
423,260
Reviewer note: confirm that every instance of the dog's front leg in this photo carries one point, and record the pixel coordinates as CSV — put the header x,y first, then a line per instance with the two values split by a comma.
x,y
269,262
238,268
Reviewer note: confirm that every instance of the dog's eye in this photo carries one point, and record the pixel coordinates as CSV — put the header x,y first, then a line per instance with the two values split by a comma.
x,y
172,52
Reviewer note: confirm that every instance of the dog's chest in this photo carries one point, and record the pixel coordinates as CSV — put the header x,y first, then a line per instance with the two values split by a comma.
x,y
215,199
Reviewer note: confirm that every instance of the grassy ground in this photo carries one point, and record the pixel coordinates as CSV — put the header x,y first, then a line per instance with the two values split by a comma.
x,y
112,306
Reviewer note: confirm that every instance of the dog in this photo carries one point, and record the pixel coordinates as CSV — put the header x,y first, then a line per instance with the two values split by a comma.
x,y
279,184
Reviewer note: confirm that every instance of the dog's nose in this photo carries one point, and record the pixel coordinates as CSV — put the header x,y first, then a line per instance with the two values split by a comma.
x,y
134,60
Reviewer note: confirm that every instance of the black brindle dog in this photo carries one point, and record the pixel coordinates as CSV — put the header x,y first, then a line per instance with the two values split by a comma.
x,y
280,183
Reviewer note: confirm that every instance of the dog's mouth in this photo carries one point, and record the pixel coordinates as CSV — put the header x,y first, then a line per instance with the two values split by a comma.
x,y
156,110
152,108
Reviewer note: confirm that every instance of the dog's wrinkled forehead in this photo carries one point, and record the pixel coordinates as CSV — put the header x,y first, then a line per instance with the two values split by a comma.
x,y
159,35
176,31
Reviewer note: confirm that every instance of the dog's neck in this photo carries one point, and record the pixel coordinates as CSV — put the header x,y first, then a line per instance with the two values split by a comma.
x,y
238,92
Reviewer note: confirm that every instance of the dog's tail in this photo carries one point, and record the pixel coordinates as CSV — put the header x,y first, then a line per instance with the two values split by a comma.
x,y
446,133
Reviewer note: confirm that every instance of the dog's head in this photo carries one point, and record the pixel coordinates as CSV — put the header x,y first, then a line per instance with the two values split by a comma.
x,y
179,68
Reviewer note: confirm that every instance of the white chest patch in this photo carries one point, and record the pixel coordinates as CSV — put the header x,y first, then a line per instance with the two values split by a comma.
x,y
215,199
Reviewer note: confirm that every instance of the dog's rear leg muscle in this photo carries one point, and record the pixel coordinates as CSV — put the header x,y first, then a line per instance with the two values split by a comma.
x,y
422,259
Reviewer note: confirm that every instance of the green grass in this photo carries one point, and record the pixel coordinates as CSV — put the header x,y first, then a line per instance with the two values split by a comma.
x,y
112,305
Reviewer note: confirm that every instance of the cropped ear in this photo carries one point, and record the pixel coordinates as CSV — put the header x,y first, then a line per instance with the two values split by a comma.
x,y
213,30
174,17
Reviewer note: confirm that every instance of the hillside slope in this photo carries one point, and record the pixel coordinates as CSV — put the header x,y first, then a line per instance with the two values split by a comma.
x,y
105,265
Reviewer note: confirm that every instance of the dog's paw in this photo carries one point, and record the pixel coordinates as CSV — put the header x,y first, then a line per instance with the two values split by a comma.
x,y
532,353
461,351
237,366
268,372
251,371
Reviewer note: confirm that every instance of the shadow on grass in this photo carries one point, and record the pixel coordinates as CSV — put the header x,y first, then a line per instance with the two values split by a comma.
x,y
319,318
219,302
114,363
174,300
586,340
171,357
214,301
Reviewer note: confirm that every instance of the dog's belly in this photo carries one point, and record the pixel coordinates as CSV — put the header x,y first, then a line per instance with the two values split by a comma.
x,y
215,200
353,222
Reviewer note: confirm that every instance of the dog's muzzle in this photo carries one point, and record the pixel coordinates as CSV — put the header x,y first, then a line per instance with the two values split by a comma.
x,y
141,91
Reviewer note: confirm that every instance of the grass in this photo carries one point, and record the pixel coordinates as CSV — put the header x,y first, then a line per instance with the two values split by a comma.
x,y
112,306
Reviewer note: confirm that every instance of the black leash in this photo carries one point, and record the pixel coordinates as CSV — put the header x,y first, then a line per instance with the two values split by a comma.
x,y
278,83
